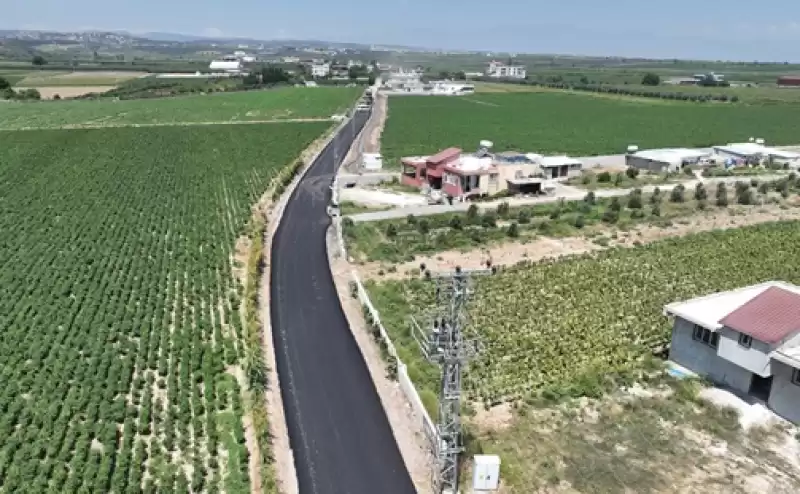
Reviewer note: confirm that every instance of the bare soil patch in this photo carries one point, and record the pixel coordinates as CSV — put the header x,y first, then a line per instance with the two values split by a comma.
x,y
657,443
596,236
49,92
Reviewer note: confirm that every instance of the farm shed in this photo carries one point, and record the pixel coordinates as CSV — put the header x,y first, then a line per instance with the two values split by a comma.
x,y
789,81
558,167
746,339
668,160
754,152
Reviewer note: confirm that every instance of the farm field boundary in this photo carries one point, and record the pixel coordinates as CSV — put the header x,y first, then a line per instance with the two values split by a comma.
x,y
176,124
147,291
578,354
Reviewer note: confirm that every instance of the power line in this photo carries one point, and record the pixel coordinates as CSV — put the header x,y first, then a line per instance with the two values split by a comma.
x,y
442,342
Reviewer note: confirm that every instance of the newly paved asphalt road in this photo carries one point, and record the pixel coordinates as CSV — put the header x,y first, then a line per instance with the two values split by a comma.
x,y
338,430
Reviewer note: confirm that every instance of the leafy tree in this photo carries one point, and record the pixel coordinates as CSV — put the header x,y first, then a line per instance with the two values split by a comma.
x,y
604,177
632,172
489,220
610,216
580,222
589,198
524,217
503,209
472,213
4,84
423,226
655,209
274,75
615,205
722,195
651,79
456,223
39,60
391,231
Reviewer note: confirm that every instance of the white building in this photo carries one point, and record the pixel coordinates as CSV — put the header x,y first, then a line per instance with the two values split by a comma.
x,y
500,70
451,88
755,151
320,69
668,160
228,66
746,339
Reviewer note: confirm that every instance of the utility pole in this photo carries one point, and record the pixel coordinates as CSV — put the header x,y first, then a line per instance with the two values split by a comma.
x,y
443,343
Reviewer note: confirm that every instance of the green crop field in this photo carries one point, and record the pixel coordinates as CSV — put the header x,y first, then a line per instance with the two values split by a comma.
x,y
121,345
564,326
575,124
278,104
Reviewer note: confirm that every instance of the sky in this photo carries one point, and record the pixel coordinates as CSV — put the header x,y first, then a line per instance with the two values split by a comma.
x,y
768,30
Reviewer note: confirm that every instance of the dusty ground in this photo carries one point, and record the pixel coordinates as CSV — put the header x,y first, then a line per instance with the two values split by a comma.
x,y
369,138
543,247
661,441
406,426
49,92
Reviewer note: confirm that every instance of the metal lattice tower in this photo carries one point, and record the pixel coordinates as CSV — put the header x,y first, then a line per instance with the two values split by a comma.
x,y
442,342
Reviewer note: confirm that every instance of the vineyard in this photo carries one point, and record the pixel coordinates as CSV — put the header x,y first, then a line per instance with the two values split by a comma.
x,y
575,124
277,104
121,341
561,327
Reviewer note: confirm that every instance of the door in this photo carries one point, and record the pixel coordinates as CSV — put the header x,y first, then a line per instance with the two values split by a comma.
x,y
760,387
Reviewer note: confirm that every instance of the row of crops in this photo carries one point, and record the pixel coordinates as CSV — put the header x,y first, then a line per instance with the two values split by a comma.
x,y
575,124
556,324
276,104
120,334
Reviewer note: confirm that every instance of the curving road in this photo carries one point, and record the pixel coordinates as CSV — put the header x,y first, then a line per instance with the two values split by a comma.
x,y
338,430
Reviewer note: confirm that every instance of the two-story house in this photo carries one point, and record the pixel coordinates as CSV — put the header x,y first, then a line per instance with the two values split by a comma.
x,y
746,339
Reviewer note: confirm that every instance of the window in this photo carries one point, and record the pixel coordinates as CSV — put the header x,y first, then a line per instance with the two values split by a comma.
x,y
796,377
745,340
705,336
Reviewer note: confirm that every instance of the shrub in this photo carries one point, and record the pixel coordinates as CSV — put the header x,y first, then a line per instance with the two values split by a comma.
x,y
472,212
655,209
722,195
580,222
411,219
618,179
610,216
700,193
524,217
677,193
589,198
604,177
489,220
632,172
635,199
456,223
615,205
656,197
513,230
503,209
423,226
391,231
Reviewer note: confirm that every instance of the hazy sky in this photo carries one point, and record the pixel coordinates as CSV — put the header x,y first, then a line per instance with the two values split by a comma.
x,y
767,30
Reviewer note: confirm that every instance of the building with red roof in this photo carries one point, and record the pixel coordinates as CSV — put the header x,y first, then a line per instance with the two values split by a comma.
x,y
746,339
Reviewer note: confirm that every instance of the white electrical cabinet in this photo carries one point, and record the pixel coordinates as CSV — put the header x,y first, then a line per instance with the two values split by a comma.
x,y
486,473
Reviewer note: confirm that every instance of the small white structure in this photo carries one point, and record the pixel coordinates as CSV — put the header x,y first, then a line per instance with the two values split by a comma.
x,y
556,167
746,339
668,160
372,161
500,70
320,69
486,473
451,88
228,66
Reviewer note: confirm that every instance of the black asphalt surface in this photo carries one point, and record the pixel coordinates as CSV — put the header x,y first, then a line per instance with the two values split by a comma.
x,y
338,430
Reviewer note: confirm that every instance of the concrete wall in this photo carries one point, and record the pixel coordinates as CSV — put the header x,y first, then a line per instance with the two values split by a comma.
x,y
755,359
784,398
702,359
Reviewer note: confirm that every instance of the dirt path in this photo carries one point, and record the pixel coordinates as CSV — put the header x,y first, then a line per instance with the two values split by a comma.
x,y
368,141
406,426
542,247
